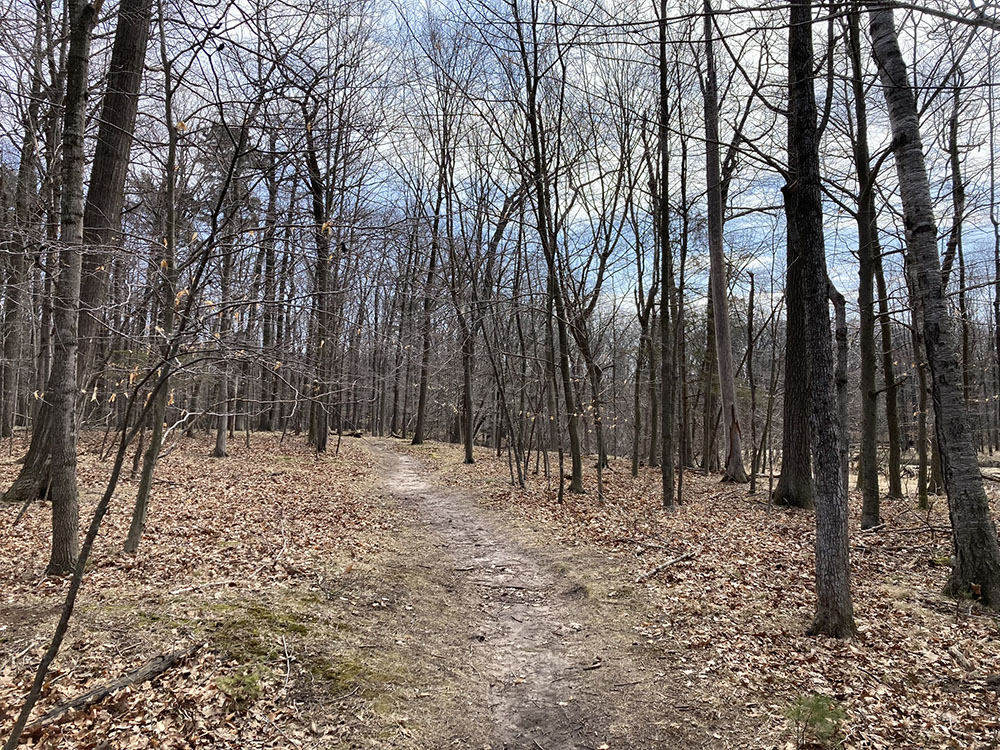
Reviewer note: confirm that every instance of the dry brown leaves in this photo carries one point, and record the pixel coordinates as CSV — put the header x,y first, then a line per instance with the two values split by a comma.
x,y
235,555
732,617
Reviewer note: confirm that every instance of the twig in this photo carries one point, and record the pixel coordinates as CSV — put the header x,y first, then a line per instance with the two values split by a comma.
x,y
663,566
24,509
288,661
184,590
873,528
641,543
348,695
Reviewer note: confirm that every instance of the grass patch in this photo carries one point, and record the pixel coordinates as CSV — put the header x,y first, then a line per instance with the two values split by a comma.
x,y
243,687
252,634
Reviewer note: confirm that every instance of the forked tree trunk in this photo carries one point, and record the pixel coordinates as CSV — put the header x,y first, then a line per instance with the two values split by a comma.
x,y
976,569
804,214
733,470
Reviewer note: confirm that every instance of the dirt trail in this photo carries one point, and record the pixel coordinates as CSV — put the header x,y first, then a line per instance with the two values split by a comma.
x,y
551,675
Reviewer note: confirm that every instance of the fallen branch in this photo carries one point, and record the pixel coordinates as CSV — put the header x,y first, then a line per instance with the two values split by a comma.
x,y
148,671
663,566
200,586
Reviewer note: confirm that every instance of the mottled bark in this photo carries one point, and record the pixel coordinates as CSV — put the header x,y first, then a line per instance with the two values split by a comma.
x,y
976,568
804,214
61,392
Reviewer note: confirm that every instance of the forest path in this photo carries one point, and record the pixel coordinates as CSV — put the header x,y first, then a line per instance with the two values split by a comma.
x,y
552,671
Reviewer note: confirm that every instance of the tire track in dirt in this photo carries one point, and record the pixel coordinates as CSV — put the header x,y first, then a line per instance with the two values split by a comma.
x,y
554,682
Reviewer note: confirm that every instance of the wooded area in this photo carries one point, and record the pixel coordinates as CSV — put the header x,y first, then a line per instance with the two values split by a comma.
x,y
756,243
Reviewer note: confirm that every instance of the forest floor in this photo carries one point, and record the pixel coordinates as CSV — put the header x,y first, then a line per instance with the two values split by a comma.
x,y
392,596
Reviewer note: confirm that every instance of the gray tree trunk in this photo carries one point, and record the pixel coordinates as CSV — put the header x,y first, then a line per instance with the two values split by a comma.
x,y
868,247
976,568
804,214
61,391
733,470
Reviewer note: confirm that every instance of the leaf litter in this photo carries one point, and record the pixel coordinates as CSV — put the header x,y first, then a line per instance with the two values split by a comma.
x,y
280,563
730,608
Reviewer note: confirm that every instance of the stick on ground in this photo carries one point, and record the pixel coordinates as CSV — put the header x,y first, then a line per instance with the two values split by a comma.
x,y
151,669
663,566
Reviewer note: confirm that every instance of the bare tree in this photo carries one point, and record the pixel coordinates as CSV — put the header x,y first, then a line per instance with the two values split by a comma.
x,y
976,567
804,216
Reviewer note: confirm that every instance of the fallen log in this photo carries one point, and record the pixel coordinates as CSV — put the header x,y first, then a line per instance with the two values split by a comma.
x,y
148,671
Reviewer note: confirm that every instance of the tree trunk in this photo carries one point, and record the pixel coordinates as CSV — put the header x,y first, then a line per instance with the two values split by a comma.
x,y
804,214
794,487
14,312
62,387
166,301
468,427
640,362
106,192
666,274
868,249
733,470
976,569
889,376
425,355
840,379
753,391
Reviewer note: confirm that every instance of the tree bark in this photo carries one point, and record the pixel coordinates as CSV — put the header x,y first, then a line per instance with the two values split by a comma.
x,y
840,378
794,487
733,471
889,377
868,248
667,368
976,568
106,191
804,214
62,386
